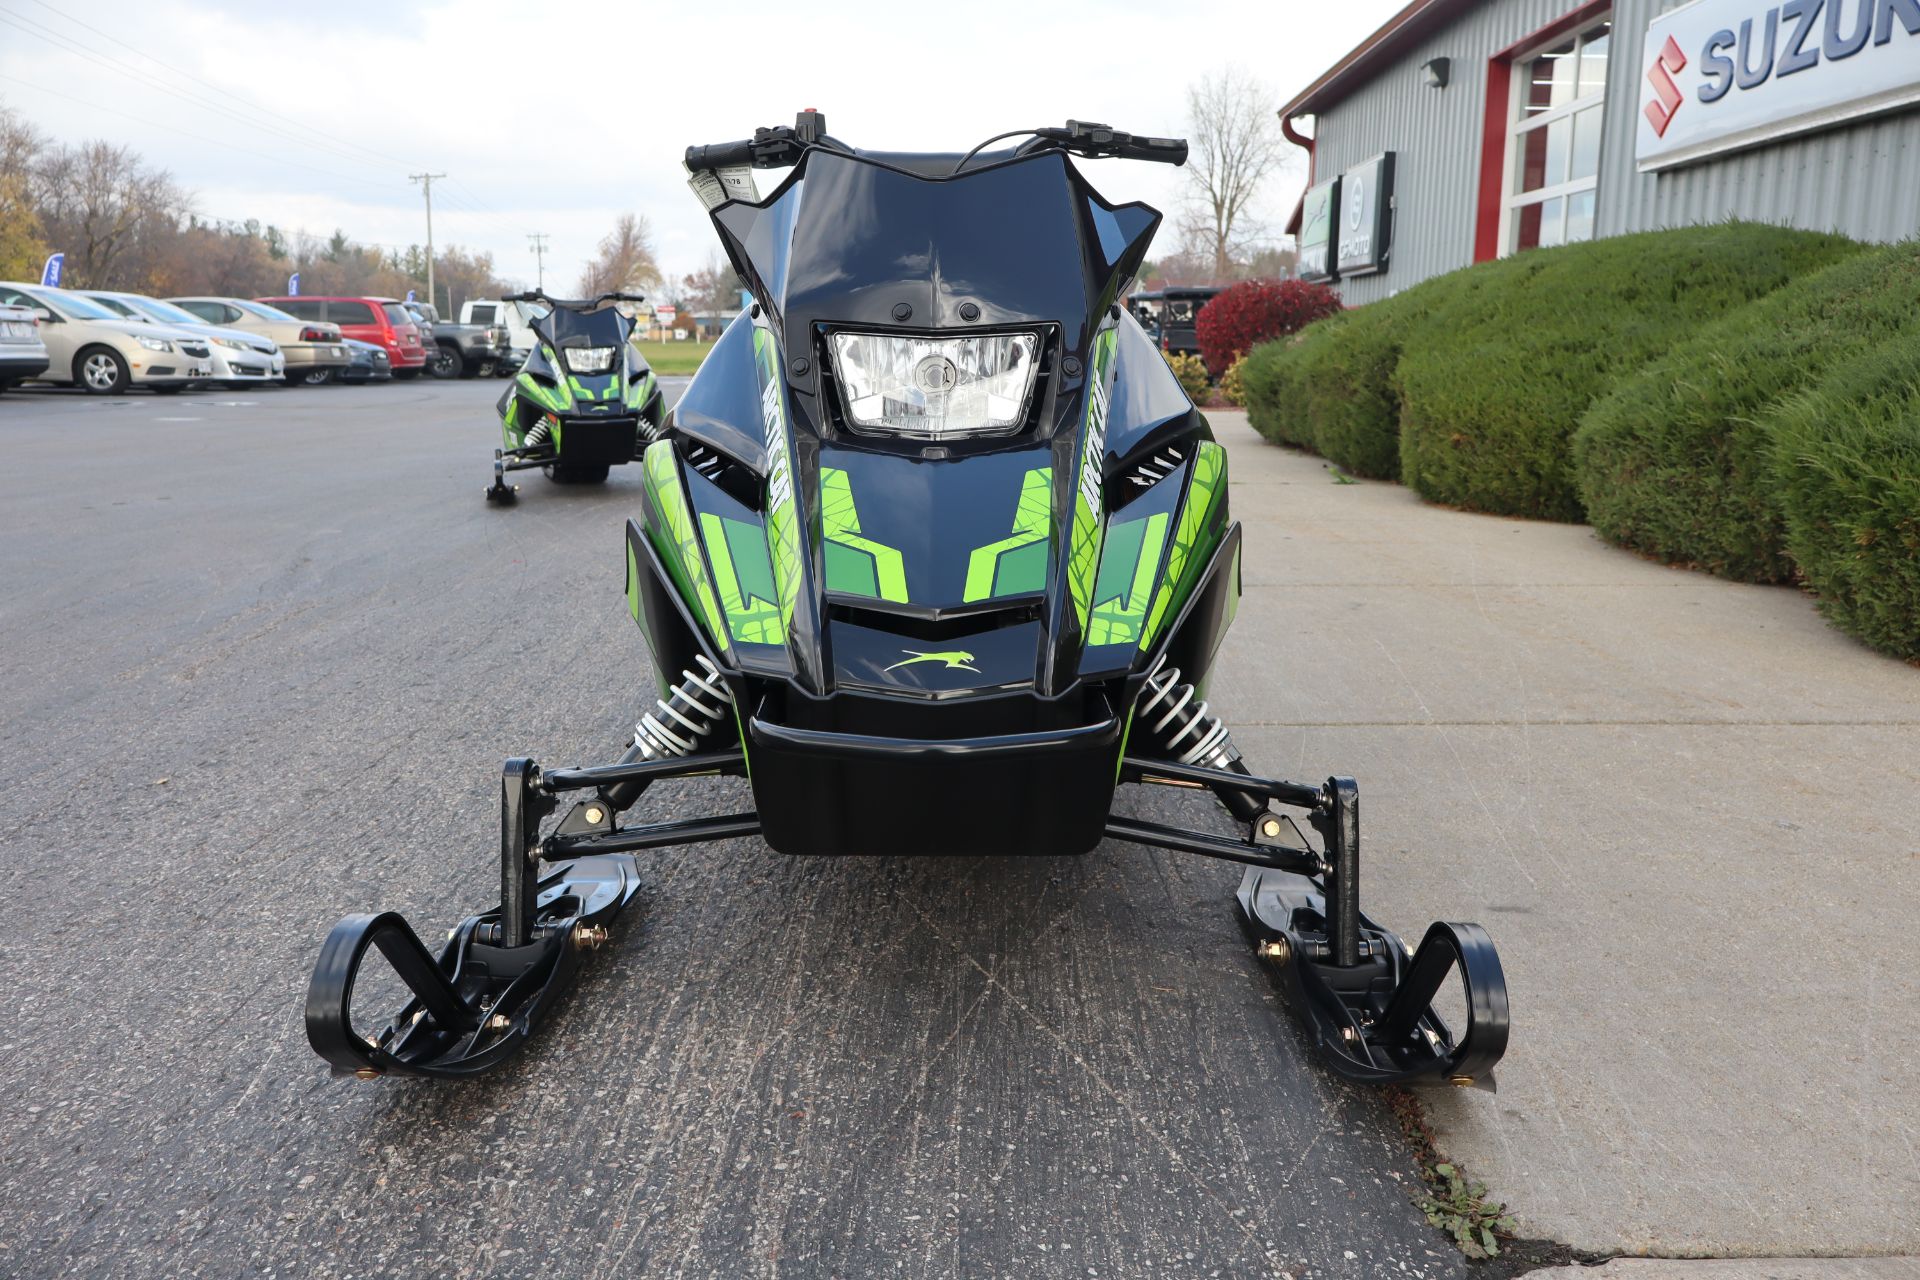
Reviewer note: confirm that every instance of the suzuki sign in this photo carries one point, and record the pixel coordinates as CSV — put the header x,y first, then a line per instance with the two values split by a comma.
x,y
1720,75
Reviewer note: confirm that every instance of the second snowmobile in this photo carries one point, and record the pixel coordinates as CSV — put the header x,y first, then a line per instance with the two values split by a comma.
x,y
584,402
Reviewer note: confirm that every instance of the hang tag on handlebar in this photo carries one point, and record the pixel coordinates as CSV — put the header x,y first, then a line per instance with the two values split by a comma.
x,y
721,185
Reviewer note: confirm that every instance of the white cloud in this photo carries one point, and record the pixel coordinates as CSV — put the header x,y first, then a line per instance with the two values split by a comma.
x,y
558,118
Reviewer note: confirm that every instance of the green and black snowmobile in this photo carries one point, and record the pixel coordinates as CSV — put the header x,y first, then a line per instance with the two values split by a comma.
x,y
584,401
933,557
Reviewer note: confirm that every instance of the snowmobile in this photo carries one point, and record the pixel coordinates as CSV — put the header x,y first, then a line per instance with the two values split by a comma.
x,y
584,401
935,554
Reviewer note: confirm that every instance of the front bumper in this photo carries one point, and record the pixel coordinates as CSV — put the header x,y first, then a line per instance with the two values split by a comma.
x,y
17,367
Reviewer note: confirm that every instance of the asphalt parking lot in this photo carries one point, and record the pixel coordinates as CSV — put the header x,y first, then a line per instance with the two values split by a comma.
x,y
264,653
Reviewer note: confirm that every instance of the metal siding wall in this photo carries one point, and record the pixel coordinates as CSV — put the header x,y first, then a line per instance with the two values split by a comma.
x,y
1863,180
1436,133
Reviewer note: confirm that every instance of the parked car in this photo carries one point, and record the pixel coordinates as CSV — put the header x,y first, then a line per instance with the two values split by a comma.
x,y
90,347
239,357
382,321
369,362
23,352
314,351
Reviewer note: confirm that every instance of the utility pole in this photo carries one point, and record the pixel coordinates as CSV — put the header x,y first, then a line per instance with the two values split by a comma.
x,y
426,189
539,249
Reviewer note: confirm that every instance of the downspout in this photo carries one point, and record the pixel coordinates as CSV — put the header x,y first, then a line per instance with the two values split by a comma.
x,y
1305,143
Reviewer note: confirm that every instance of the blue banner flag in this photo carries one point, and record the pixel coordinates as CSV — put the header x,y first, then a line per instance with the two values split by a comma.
x,y
50,274
293,285
410,297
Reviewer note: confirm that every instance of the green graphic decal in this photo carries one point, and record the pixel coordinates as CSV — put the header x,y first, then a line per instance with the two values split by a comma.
x,y
555,398
1084,553
1017,564
639,391
956,660
678,543
633,582
744,575
1188,556
783,525
856,565
1121,593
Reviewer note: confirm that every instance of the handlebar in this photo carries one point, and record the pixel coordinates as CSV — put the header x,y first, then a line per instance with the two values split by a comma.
x,y
782,145
572,304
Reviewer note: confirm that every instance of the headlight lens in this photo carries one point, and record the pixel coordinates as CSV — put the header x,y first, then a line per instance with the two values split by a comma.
x,y
155,344
235,344
588,359
935,387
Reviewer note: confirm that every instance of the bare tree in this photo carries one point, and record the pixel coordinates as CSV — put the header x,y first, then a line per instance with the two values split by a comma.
x,y
624,260
108,211
1234,145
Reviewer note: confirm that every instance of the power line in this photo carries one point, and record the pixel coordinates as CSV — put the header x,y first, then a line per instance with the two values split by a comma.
x,y
174,129
188,75
145,80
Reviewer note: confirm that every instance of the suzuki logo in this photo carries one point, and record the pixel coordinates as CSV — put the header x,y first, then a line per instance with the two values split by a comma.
x,y
1667,98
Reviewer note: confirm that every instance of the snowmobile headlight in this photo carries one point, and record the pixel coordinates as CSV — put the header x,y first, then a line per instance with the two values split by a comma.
x,y
935,387
587,359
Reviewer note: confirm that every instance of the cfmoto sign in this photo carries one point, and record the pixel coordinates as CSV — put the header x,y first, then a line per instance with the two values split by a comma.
x,y
1366,216
1722,75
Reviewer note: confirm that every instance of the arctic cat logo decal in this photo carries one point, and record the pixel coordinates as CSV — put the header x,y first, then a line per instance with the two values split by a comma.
x,y
956,660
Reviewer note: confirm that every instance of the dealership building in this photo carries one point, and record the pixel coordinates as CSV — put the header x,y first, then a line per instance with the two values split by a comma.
x,y
1465,130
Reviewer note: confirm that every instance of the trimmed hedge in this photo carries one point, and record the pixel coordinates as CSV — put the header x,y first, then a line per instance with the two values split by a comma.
x,y
1502,372
1329,388
1846,463
1676,462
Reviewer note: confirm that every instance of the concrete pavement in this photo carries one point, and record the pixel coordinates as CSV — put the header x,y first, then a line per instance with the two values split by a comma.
x,y
1689,812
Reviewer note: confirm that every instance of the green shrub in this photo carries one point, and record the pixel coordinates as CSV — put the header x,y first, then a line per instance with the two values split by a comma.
x,y
1233,386
1275,396
1676,462
1191,370
1507,362
1846,460
1347,380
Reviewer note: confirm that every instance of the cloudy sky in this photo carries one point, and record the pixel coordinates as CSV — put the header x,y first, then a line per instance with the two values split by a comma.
x,y
558,117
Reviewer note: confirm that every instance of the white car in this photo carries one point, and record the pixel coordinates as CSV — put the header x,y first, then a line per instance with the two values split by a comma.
x,y
105,354
23,354
238,356
314,352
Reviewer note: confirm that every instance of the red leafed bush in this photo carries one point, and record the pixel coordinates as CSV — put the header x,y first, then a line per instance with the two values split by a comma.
x,y
1256,311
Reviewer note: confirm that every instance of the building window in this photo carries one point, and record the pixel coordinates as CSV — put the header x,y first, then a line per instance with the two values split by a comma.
x,y
1559,97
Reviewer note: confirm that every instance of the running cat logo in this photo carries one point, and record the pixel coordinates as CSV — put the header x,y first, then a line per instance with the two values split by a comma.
x,y
956,660
1666,94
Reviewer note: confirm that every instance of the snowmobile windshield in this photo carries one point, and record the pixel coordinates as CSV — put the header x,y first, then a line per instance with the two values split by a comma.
x,y
566,327
851,240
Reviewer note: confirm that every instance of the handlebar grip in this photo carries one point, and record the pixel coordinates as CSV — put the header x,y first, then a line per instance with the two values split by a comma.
x,y
1164,150
719,155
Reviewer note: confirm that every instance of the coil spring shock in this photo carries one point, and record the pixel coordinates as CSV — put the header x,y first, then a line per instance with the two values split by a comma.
x,y
1184,726
1174,711
537,435
688,713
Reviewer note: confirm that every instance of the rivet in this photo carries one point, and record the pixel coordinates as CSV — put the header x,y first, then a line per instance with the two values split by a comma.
x,y
1070,366
969,311
902,311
